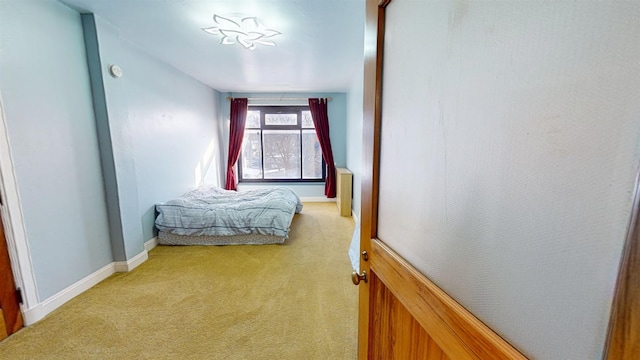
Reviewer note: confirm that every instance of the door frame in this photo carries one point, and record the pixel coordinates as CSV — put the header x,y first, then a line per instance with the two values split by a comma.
x,y
15,230
372,100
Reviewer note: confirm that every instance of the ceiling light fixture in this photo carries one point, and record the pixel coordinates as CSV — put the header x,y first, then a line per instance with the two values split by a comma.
x,y
244,30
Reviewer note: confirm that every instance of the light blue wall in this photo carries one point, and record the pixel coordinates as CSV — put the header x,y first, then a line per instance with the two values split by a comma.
x,y
103,45
164,133
48,107
105,145
337,112
159,136
354,125
354,138
175,129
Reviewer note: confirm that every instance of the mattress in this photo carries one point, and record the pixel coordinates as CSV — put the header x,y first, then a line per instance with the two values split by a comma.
x,y
221,214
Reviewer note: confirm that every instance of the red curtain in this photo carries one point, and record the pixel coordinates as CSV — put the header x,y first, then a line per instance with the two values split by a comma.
x,y
318,109
236,133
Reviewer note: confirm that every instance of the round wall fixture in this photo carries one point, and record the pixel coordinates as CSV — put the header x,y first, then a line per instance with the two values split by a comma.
x,y
115,71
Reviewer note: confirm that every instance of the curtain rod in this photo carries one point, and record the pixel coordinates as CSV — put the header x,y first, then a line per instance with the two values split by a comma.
x,y
229,98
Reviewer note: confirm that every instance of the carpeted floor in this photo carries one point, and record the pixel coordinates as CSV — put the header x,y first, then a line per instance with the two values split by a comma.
x,y
291,301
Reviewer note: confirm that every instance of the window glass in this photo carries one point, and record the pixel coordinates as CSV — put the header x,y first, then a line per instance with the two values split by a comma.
x,y
311,155
281,154
252,154
253,119
281,119
307,120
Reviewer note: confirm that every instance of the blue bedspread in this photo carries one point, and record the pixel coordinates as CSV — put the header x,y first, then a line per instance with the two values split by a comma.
x,y
209,210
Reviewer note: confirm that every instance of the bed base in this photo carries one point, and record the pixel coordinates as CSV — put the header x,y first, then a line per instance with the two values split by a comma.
x,y
165,238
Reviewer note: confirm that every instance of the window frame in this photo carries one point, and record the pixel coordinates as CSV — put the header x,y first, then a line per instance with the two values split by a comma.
x,y
280,109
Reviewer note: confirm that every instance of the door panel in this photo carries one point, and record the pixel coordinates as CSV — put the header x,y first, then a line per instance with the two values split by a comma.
x,y
403,315
11,315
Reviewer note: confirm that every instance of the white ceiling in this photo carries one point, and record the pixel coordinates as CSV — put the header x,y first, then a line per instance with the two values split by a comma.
x,y
320,48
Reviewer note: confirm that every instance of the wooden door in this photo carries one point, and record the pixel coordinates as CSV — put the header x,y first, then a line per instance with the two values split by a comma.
x,y
624,327
402,314
10,315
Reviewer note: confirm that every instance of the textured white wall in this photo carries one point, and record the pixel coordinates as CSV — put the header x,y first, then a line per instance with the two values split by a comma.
x,y
509,150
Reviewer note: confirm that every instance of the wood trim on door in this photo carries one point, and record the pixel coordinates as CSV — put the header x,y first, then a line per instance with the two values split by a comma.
x,y
458,333
624,326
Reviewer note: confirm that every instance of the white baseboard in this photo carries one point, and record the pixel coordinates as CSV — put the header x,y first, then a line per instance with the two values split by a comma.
x,y
317,199
125,266
150,244
355,217
44,308
41,310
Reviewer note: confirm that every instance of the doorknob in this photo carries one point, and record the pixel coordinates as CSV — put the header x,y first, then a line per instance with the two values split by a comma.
x,y
355,277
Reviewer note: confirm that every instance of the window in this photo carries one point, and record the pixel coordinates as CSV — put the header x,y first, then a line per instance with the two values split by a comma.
x,y
280,144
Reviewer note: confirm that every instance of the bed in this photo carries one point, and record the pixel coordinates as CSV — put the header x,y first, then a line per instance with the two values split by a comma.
x,y
209,215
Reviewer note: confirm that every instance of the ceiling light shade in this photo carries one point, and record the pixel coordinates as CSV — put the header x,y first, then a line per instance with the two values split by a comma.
x,y
244,30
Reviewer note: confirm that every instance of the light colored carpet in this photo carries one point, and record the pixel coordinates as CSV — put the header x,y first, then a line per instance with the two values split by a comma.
x,y
290,301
